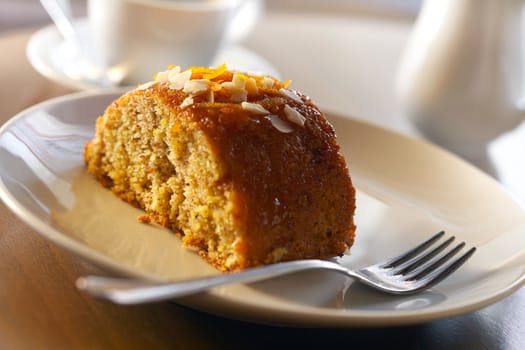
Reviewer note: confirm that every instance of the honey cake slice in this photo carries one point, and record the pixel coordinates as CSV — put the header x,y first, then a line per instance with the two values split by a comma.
x,y
242,167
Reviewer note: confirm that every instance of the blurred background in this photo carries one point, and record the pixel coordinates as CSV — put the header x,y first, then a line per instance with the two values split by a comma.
x,y
17,14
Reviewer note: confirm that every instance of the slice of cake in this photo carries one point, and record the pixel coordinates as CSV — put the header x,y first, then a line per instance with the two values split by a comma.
x,y
245,169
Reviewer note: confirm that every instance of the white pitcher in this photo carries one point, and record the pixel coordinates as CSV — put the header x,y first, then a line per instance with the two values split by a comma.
x,y
461,78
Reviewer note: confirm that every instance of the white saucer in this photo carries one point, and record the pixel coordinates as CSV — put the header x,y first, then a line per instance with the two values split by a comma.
x,y
48,54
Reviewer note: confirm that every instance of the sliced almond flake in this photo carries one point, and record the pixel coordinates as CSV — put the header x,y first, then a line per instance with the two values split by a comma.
x,y
173,70
228,85
280,124
188,101
290,94
237,95
294,116
162,76
145,85
267,82
254,108
178,80
175,74
239,81
196,86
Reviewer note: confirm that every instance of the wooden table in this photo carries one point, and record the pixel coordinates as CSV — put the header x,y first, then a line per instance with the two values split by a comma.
x,y
41,309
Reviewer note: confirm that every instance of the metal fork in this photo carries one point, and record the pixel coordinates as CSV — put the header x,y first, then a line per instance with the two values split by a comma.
x,y
413,271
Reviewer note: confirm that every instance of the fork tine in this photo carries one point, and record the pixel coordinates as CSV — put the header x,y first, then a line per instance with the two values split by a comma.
x,y
418,273
421,259
440,274
400,259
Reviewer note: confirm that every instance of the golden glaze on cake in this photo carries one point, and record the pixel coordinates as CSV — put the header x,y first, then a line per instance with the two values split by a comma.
x,y
244,169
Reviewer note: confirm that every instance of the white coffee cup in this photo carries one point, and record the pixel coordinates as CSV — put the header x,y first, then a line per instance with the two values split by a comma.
x,y
133,39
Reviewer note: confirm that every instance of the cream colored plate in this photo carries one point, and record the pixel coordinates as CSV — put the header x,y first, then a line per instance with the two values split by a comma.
x,y
407,190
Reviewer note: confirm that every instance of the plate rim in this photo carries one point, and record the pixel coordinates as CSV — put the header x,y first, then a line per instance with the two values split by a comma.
x,y
214,303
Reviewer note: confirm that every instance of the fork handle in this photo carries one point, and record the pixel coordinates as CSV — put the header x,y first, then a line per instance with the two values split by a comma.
x,y
138,291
